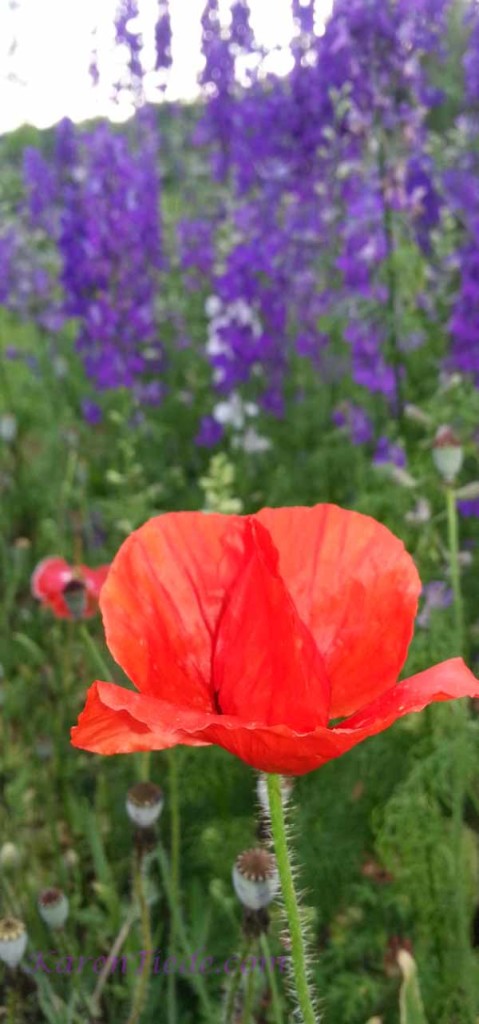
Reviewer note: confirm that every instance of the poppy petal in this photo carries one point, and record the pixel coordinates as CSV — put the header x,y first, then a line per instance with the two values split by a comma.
x,y
162,600
116,720
49,577
94,578
449,680
356,589
266,665
119,721
279,749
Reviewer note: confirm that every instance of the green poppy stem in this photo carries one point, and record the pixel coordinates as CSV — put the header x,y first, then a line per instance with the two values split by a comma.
x,y
231,995
249,997
459,782
277,1012
175,844
141,990
453,546
96,655
298,943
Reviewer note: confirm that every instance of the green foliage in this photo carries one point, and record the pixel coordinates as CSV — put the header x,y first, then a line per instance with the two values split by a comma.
x,y
386,837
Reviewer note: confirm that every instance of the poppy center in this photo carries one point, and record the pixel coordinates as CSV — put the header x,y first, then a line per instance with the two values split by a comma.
x,y
216,703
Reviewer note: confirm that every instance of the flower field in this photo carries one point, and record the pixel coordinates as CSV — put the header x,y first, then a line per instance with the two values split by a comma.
x,y
239,508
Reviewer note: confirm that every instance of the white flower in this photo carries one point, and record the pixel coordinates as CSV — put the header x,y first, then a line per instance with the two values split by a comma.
x,y
8,427
213,306
231,412
252,442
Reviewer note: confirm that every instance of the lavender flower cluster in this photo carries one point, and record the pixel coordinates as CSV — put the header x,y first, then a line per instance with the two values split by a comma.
x,y
315,236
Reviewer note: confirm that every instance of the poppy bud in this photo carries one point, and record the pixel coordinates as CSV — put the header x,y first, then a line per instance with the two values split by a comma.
x,y
447,454
144,804
53,907
255,878
75,597
13,940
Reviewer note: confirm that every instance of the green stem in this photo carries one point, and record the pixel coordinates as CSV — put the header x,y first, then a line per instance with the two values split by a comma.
x,y
197,981
140,994
298,944
13,1007
275,1000
391,286
94,1006
234,984
453,545
248,997
96,656
460,771
144,764
174,804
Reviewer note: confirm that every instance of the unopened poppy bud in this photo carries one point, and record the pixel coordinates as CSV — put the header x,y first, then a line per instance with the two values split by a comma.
x,y
447,453
144,804
255,878
53,907
13,940
75,597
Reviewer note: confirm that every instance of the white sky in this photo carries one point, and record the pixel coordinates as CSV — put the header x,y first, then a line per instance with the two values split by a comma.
x,y
46,76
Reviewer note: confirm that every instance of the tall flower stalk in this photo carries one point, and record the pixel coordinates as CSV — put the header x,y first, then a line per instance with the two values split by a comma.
x,y
460,776
291,903
175,826
141,991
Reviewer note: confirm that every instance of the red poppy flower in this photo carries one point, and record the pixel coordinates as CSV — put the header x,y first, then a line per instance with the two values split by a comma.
x,y
71,592
256,632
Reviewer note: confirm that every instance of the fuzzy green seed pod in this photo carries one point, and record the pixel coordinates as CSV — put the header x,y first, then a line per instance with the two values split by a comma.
x,y
144,804
447,454
53,907
255,878
13,940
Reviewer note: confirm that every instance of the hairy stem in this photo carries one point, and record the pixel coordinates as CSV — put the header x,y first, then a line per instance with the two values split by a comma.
x,y
298,943
174,804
